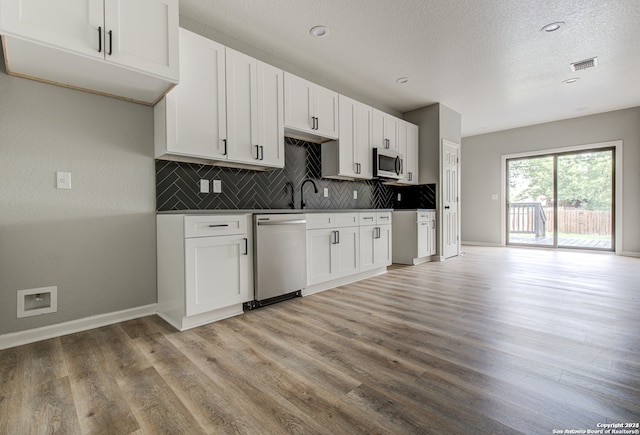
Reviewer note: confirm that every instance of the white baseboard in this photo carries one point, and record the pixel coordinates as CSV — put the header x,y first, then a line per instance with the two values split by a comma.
x,y
630,254
13,339
482,244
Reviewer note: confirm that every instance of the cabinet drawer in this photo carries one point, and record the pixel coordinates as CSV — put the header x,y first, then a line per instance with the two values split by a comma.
x,y
383,218
320,220
346,220
424,216
208,225
367,218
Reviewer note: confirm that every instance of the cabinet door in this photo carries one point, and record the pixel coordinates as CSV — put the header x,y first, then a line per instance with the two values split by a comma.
x,y
216,271
242,107
326,112
424,239
347,249
411,156
367,247
391,131
142,35
347,143
382,247
319,255
298,103
71,25
432,239
402,149
377,129
363,138
196,123
270,115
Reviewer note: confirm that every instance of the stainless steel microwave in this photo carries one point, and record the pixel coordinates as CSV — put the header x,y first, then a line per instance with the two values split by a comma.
x,y
387,164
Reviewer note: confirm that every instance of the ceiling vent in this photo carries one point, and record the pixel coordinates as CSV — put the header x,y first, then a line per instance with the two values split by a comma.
x,y
584,64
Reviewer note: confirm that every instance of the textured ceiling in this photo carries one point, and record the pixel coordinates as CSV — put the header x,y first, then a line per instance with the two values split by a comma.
x,y
486,59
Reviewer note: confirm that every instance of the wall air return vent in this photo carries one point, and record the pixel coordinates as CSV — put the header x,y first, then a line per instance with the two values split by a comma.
x,y
584,64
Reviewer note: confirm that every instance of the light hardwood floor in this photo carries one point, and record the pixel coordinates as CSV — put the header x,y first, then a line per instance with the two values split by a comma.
x,y
499,340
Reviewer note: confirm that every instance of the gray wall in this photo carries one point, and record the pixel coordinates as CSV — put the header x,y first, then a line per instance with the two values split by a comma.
x,y
481,168
96,242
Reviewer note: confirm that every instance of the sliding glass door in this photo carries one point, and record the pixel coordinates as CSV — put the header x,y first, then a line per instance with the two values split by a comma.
x,y
562,200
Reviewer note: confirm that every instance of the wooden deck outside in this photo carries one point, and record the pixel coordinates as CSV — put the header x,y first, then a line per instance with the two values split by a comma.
x,y
531,239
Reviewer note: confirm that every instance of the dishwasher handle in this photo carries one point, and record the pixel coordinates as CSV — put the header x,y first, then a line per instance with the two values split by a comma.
x,y
291,222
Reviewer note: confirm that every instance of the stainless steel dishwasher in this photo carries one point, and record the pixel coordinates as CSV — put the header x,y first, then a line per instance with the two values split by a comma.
x,y
280,262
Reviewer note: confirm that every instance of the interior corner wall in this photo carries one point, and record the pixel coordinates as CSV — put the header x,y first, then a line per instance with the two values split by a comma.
x,y
95,242
481,169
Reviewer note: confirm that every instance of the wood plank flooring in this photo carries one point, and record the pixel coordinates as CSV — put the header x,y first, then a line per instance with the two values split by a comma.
x,y
497,341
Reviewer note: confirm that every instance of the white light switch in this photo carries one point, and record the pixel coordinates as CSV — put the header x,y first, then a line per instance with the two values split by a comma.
x,y
63,180
494,196
217,186
326,192
204,186
355,194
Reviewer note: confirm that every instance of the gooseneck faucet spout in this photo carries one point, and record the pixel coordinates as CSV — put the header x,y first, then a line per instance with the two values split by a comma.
x,y
315,188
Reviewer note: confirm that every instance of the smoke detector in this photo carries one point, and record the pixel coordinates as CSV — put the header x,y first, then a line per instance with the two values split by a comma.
x,y
584,64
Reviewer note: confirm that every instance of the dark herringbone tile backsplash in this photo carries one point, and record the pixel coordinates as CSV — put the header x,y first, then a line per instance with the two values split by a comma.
x,y
178,188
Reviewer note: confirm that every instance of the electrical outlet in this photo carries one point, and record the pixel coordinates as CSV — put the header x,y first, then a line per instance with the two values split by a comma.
x,y
399,197
326,192
355,194
204,186
217,186
63,180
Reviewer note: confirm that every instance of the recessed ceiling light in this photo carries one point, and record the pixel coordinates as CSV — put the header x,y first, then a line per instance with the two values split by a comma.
x,y
319,31
402,80
571,80
552,27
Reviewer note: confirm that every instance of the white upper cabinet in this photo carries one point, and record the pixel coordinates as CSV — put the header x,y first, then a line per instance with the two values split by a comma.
x,y
310,111
127,49
385,130
408,149
255,114
351,156
191,120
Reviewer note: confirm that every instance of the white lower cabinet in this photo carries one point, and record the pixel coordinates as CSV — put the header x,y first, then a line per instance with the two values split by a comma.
x,y
375,240
332,246
414,238
204,267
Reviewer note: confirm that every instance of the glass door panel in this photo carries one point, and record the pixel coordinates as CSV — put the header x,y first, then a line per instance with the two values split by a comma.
x,y
530,196
585,200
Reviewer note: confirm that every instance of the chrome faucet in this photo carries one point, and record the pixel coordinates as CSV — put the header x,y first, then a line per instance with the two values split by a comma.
x,y
315,188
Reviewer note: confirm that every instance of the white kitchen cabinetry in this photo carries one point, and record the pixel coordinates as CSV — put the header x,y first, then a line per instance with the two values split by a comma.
x,y
204,267
408,149
385,130
310,111
332,246
350,157
255,113
375,240
414,236
127,49
191,121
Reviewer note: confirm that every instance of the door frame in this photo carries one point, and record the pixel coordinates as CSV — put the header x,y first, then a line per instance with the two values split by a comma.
x,y
617,145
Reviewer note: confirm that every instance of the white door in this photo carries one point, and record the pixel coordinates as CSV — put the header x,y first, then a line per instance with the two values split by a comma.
x,y
450,201
326,112
216,272
270,115
319,255
142,35
298,103
242,107
74,25
347,259
196,108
